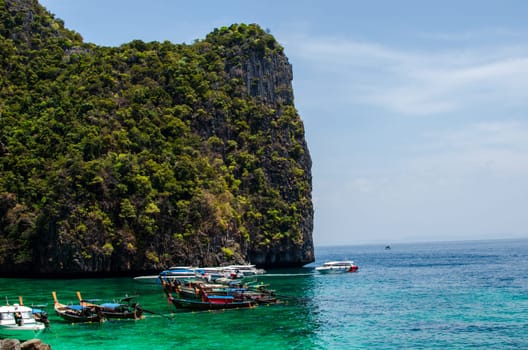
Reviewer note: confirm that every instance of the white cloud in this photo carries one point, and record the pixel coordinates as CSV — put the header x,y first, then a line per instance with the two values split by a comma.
x,y
360,184
511,134
489,34
459,172
465,181
484,148
413,82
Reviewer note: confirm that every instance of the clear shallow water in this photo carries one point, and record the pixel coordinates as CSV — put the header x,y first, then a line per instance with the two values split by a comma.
x,y
462,295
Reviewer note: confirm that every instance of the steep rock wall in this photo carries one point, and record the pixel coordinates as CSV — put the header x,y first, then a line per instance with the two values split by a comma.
x,y
132,159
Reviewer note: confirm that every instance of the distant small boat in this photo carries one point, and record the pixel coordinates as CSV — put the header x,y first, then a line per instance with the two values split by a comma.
x,y
77,313
337,267
17,321
387,247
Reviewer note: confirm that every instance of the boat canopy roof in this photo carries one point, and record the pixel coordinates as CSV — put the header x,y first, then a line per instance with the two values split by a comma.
x,y
111,305
226,297
76,307
14,308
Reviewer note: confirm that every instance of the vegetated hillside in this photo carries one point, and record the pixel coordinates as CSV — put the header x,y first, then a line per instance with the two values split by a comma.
x,y
138,157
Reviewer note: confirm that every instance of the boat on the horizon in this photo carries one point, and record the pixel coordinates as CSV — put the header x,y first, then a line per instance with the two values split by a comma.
x,y
17,322
343,266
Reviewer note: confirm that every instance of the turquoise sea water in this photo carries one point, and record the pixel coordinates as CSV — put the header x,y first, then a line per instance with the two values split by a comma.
x,y
458,295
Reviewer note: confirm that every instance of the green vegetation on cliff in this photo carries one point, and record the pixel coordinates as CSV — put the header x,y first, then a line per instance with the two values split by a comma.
x,y
137,157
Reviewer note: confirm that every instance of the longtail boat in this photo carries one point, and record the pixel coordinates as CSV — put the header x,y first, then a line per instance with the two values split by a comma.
x,y
126,308
77,313
213,302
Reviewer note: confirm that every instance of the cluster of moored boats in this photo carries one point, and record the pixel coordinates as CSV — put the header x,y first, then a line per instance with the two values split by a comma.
x,y
196,294
89,311
187,288
23,322
213,288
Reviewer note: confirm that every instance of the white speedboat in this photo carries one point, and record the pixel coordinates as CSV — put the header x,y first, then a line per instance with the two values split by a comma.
x,y
174,272
17,322
337,267
208,273
245,270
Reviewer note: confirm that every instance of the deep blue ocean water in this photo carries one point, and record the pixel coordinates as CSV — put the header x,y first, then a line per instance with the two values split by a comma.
x,y
454,295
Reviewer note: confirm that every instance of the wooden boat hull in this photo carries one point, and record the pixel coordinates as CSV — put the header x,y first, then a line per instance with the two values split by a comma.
x,y
125,309
79,317
123,315
128,314
214,304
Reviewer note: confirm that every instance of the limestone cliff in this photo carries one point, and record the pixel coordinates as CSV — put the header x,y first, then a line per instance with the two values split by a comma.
x,y
135,158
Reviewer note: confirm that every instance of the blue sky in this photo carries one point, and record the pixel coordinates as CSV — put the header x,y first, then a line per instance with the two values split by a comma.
x,y
415,111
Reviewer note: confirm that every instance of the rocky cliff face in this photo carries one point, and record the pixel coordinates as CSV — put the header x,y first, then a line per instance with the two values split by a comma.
x,y
267,75
130,159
